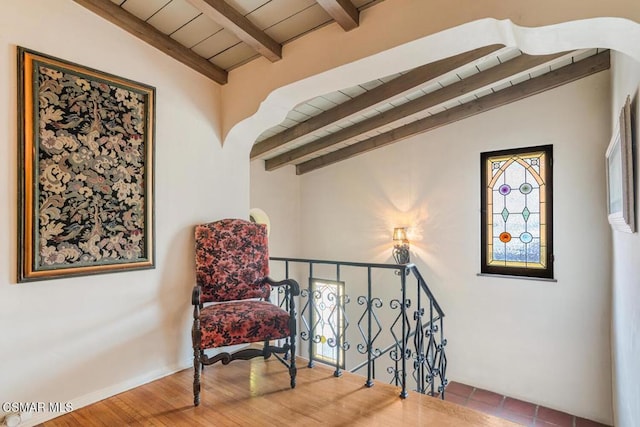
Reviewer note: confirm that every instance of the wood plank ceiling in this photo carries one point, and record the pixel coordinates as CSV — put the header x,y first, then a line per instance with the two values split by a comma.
x,y
215,36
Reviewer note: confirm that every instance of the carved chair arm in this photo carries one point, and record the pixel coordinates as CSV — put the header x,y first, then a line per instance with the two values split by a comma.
x,y
195,295
294,288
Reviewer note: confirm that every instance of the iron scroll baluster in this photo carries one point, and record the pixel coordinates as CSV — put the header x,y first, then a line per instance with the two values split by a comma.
x,y
410,326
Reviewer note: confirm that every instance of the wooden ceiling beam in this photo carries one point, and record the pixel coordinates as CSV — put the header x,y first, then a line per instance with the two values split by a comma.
x,y
149,34
506,96
245,30
343,12
475,82
411,80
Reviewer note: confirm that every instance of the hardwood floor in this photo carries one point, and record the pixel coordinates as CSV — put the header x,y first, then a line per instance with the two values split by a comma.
x,y
257,393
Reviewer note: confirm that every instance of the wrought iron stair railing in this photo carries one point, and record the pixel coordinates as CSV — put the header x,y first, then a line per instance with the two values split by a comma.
x,y
399,328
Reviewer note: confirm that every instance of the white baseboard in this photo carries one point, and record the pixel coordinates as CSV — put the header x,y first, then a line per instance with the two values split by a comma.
x,y
102,394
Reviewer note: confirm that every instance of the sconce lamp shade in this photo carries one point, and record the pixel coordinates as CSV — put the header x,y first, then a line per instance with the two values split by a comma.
x,y
401,246
400,235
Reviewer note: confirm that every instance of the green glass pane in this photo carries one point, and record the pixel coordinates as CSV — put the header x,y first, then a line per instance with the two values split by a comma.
x,y
526,213
525,188
505,214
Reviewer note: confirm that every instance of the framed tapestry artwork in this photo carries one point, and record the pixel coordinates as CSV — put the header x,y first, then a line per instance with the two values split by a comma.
x,y
620,174
517,212
85,172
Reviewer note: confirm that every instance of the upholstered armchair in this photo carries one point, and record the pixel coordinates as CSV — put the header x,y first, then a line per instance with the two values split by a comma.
x,y
231,298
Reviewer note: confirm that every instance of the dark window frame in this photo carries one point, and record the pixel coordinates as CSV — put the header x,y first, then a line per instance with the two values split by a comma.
x,y
485,268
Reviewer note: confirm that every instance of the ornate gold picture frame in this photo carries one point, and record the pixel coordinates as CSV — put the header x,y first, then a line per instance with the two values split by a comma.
x,y
86,170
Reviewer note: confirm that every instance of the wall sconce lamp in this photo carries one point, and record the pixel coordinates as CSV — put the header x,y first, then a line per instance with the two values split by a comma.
x,y
401,246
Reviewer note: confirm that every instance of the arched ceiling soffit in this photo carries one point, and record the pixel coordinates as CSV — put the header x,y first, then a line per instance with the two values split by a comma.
x,y
617,34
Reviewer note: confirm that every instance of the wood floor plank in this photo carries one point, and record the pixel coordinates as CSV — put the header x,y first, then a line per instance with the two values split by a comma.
x,y
257,393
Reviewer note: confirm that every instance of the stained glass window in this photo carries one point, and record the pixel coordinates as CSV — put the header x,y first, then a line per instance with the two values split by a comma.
x,y
327,317
517,212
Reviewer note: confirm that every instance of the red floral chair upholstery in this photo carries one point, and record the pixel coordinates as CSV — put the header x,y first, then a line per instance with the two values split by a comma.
x,y
231,297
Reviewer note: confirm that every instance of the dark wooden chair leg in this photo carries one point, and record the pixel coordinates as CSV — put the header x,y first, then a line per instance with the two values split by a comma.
x,y
197,366
292,362
265,350
197,354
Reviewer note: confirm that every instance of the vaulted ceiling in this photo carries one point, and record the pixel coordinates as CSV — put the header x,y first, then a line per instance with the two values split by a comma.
x,y
215,36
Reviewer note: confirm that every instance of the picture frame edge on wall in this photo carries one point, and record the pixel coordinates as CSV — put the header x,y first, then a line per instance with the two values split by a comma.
x,y
621,212
27,169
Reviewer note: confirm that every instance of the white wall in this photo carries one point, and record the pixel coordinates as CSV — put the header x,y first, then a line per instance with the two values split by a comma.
x,y
83,339
545,342
278,194
626,268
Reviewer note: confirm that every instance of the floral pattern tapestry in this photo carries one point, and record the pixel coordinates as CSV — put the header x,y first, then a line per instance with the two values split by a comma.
x,y
86,184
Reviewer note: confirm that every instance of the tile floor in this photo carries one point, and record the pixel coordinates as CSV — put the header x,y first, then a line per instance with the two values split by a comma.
x,y
525,413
